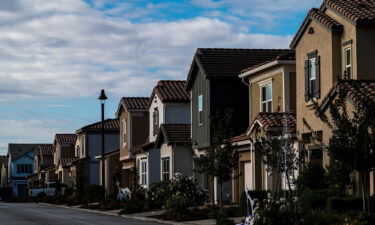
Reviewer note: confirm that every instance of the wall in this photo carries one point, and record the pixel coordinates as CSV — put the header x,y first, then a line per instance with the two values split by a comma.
x,y
156,103
124,149
183,160
177,113
94,141
153,162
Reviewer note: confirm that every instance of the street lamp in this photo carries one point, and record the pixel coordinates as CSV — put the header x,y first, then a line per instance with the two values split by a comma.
x,y
102,99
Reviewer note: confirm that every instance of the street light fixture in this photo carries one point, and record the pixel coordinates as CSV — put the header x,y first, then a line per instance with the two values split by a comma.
x,y
102,99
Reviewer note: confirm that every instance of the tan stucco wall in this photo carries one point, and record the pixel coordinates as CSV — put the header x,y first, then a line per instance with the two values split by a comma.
x,y
124,150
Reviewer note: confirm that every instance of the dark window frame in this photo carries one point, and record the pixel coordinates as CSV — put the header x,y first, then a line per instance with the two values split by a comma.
x,y
166,170
312,86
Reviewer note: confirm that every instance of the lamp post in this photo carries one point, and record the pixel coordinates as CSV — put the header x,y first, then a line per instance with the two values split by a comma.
x,y
102,99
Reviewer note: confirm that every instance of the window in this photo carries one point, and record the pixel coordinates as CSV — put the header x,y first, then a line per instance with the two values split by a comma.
x,y
24,168
348,63
124,132
200,109
165,168
312,77
155,117
143,172
83,146
266,98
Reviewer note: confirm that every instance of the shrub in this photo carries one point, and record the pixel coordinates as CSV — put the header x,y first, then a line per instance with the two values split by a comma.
x,y
314,199
222,217
259,195
312,177
133,206
348,204
94,193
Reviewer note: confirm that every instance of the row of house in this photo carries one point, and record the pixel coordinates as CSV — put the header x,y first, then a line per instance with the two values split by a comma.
x,y
268,90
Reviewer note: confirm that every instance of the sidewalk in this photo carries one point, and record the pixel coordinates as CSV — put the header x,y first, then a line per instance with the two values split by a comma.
x,y
145,216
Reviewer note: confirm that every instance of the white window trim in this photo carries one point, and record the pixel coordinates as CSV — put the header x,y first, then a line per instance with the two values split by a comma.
x,y
142,173
200,121
346,59
261,85
124,130
162,167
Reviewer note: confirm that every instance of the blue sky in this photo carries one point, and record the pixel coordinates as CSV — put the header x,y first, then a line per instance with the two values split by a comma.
x,y
57,55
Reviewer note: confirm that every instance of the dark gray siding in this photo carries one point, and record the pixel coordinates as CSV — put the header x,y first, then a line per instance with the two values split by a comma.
x,y
201,133
154,165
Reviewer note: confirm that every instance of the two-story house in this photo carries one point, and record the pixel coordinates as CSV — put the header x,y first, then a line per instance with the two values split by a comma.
x,y
334,41
20,165
63,154
3,170
88,144
43,159
271,87
214,85
133,116
169,104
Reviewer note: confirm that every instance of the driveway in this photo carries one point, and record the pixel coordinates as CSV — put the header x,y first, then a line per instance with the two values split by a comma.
x,y
33,214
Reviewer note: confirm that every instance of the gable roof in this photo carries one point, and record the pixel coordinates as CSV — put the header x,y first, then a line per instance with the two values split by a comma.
x,y
173,134
357,90
143,147
109,125
173,91
46,149
65,138
133,103
16,151
319,16
227,63
274,122
361,12
64,161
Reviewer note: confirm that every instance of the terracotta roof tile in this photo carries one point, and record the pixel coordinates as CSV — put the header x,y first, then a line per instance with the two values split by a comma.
x,y
143,147
174,134
291,55
242,137
275,122
66,138
46,149
109,125
134,102
171,91
66,160
359,11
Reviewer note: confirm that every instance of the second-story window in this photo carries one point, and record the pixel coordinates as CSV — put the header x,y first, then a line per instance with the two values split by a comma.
x,y
200,109
155,117
124,132
266,98
143,172
312,77
24,168
165,168
348,63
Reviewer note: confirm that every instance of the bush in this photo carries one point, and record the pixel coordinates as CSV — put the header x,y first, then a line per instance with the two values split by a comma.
x,y
259,195
314,199
348,204
158,194
94,193
222,217
133,206
312,177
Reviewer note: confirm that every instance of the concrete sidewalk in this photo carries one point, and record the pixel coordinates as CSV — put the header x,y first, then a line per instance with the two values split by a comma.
x,y
144,216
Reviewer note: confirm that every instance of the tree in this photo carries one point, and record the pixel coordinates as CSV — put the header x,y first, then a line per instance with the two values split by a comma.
x,y
352,143
220,159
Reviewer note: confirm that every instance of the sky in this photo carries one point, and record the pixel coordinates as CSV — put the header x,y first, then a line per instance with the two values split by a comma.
x,y
56,56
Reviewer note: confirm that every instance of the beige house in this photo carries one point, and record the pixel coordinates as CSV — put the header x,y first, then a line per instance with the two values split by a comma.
x,y
133,115
43,158
272,91
334,41
3,170
63,154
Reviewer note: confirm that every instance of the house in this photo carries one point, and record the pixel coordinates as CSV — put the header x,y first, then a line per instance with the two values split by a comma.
x,y
63,154
334,41
20,165
176,155
43,158
272,91
3,170
214,85
133,116
88,144
113,170
169,104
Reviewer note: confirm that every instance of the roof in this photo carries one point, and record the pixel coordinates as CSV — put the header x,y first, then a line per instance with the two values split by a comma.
x,y
66,160
133,103
322,18
109,125
45,149
361,12
290,55
358,90
3,159
111,152
227,63
171,91
274,122
242,137
18,150
143,147
65,138
174,134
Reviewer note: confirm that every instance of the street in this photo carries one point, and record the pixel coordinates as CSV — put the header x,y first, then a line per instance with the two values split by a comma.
x,y
33,214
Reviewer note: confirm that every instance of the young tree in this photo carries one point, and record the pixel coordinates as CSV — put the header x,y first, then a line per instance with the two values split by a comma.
x,y
220,159
352,143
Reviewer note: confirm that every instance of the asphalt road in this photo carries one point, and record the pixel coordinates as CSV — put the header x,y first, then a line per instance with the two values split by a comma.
x,y
33,214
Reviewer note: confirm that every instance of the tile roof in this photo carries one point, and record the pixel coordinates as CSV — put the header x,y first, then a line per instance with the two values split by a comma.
x,y
228,63
290,55
359,11
171,91
46,149
109,125
65,138
135,102
143,147
242,137
3,159
18,150
275,122
319,16
66,160
110,152
358,90
174,134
